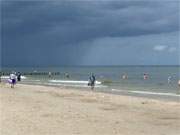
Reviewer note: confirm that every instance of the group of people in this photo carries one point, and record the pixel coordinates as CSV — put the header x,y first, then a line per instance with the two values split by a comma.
x,y
145,76
66,75
13,78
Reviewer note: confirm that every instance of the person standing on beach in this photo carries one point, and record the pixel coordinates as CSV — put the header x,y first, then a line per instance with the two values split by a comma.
x,y
92,80
13,79
18,76
0,77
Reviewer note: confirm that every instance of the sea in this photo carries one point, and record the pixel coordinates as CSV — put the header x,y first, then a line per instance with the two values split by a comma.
x,y
161,82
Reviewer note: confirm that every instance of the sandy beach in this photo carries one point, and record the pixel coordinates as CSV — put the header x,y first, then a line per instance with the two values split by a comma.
x,y
43,110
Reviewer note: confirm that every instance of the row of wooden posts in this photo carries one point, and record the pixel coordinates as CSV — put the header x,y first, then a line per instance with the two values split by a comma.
x,y
32,73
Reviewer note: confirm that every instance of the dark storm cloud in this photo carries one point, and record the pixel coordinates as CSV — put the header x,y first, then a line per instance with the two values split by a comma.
x,y
49,26
87,20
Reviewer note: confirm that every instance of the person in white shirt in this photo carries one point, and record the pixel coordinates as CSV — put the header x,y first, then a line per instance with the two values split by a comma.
x,y
13,79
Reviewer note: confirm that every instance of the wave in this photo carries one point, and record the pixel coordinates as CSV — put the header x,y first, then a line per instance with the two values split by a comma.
x,y
107,81
149,93
32,80
72,82
74,85
7,77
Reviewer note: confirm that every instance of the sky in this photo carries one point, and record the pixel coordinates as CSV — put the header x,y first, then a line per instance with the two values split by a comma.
x,y
93,32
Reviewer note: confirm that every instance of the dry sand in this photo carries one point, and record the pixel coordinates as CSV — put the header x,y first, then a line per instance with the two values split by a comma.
x,y
41,110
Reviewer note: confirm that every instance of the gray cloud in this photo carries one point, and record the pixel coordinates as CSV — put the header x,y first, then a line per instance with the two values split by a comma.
x,y
91,19
51,26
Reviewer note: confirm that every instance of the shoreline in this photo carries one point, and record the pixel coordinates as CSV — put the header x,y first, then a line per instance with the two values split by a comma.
x,y
46,110
122,92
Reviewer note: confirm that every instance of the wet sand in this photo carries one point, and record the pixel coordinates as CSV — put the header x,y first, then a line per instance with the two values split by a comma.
x,y
43,110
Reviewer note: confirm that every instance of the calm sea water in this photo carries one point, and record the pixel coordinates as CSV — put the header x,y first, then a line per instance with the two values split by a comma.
x,y
109,78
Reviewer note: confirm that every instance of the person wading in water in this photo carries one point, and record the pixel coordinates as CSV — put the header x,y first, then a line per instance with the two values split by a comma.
x,y
92,80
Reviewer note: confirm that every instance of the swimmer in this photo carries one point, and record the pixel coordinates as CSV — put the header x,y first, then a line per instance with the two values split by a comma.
x,y
49,74
67,75
145,76
169,79
179,83
124,77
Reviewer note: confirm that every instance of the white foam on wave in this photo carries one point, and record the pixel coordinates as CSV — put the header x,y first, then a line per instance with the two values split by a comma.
x,y
149,93
23,77
37,80
32,80
7,77
72,81
75,85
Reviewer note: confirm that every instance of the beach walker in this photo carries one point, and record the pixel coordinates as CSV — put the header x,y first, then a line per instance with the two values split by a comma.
x,y
12,80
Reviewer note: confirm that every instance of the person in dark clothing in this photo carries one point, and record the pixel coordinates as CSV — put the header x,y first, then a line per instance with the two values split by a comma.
x,y
67,75
18,76
92,80
0,76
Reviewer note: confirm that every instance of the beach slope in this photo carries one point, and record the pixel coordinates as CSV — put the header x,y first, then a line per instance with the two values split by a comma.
x,y
42,110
